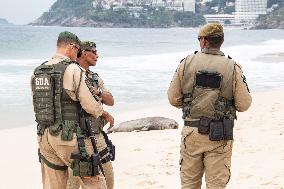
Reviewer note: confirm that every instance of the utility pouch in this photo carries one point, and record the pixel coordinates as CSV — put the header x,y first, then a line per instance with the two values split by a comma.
x,y
85,167
228,129
68,129
55,129
40,129
82,168
204,125
216,131
83,123
207,79
187,100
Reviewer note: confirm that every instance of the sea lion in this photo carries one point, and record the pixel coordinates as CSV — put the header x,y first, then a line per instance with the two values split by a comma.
x,y
146,124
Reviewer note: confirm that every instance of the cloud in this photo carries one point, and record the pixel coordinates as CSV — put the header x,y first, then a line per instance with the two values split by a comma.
x,y
23,12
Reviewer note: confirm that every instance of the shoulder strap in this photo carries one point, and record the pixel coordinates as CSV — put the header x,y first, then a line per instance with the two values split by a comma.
x,y
44,62
78,89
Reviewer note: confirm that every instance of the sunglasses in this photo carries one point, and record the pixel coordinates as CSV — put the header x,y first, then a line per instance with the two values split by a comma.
x,y
92,51
200,37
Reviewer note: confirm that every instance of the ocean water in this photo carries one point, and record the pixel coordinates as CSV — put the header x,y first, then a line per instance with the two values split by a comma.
x,y
136,64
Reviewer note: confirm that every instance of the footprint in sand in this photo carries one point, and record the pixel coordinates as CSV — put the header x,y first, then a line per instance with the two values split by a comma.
x,y
169,173
136,149
147,183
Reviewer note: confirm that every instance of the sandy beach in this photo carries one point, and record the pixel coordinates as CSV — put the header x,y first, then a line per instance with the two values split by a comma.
x,y
149,159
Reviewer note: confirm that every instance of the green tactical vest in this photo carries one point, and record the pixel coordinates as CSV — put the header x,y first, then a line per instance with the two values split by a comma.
x,y
92,81
53,107
207,87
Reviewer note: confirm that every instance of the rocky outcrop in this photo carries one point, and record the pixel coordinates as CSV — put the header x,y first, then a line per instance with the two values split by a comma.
x,y
75,22
69,21
146,124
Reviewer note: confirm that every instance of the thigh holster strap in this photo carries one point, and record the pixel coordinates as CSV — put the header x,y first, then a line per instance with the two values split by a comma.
x,y
51,165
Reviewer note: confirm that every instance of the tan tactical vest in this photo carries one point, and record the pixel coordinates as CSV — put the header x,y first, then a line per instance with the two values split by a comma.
x,y
207,86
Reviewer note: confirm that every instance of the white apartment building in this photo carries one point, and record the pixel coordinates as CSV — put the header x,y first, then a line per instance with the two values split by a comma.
x,y
221,18
189,5
248,10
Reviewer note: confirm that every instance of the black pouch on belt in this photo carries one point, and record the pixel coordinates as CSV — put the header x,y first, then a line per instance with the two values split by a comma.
x,y
216,131
228,129
203,127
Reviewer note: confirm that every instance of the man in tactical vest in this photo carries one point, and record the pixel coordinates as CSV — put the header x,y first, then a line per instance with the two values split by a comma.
x,y
61,100
209,88
86,58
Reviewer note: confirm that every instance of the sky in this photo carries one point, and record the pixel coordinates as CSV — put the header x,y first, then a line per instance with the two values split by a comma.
x,y
23,11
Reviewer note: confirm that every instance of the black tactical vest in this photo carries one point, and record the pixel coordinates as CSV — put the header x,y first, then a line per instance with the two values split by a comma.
x,y
52,105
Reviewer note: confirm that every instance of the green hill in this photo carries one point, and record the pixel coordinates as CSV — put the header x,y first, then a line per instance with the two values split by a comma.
x,y
274,19
87,13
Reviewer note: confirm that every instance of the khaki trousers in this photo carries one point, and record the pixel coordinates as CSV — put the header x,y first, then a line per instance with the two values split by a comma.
x,y
58,152
199,155
73,182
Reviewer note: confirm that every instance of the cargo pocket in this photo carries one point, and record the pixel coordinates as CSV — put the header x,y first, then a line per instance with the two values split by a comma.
x,y
227,160
185,133
228,170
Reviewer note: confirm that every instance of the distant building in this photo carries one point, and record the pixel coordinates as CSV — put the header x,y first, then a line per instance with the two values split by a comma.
x,y
248,10
220,18
189,5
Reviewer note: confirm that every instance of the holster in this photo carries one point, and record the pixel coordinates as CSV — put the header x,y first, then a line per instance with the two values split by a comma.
x,y
228,129
216,131
85,167
110,146
221,130
204,125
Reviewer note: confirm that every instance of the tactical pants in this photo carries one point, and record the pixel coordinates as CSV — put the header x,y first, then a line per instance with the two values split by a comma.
x,y
73,182
200,155
58,152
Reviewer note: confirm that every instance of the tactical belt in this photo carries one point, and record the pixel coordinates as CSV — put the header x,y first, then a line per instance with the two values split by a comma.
x,y
51,165
192,123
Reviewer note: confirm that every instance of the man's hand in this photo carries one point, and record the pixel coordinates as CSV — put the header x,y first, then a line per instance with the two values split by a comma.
x,y
109,119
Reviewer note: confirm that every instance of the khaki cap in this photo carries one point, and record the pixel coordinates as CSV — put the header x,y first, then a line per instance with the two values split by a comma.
x,y
211,29
88,45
